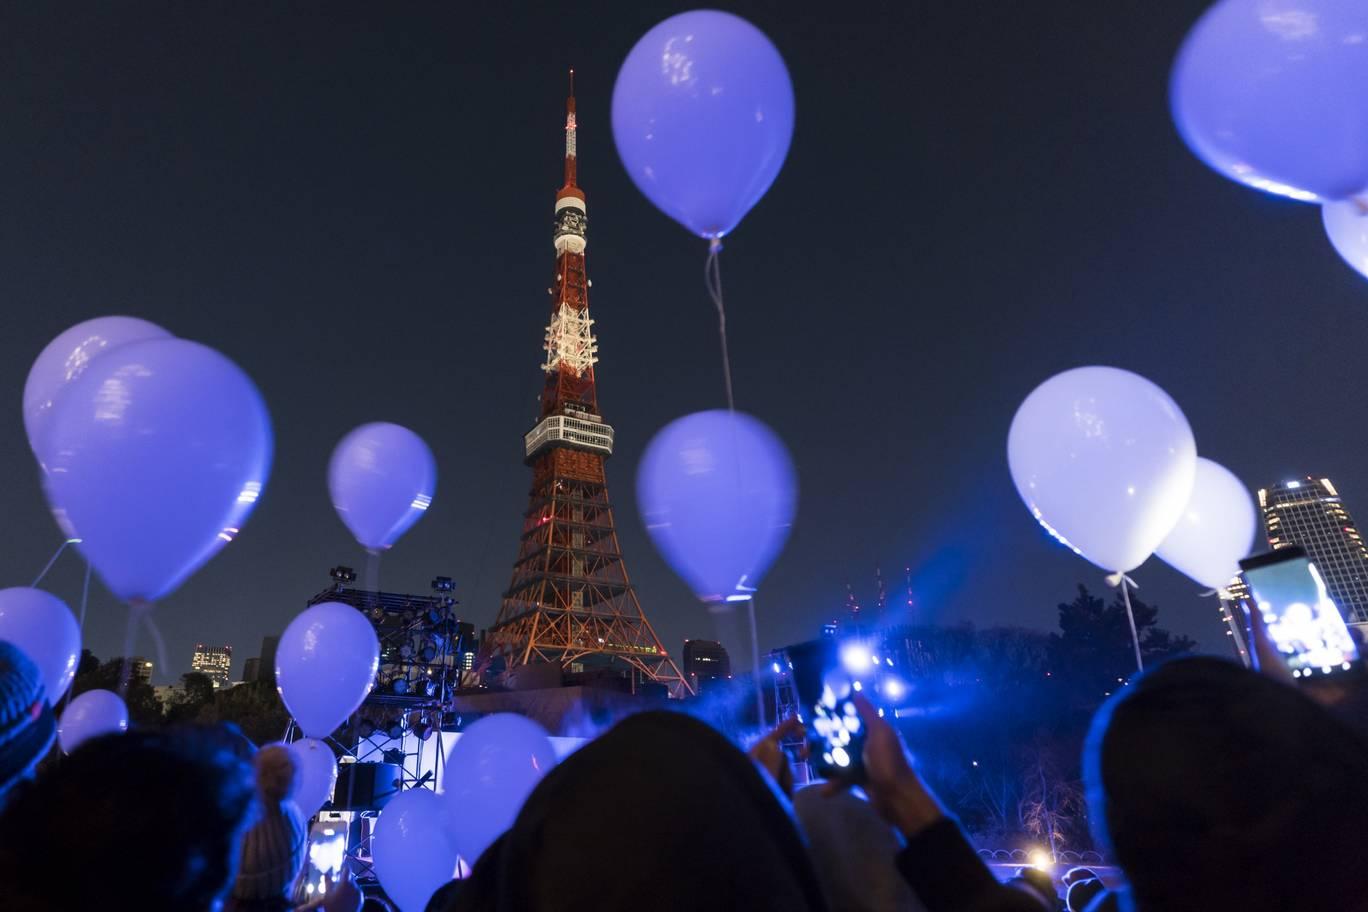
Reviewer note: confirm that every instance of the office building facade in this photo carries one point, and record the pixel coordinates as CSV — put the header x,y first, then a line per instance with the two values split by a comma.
x,y
214,661
1308,512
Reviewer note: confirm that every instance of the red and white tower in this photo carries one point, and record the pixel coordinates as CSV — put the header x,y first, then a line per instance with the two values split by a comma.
x,y
570,601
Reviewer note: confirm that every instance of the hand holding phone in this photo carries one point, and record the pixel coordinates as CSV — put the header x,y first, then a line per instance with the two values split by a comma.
x,y
1304,627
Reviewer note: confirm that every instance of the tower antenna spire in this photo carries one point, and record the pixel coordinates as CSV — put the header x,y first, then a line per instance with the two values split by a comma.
x,y
570,133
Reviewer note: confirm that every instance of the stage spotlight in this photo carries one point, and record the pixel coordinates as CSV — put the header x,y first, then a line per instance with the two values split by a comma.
x,y
395,730
400,686
428,653
423,730
365,728
406,652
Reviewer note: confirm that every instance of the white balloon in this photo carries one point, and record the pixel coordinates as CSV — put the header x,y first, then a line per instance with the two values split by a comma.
x,y
1346,224
64,360
92,714
41,624
317,774
1216,528
1105,460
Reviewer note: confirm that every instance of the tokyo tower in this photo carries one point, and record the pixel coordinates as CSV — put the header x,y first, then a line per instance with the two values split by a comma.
x,y
570,601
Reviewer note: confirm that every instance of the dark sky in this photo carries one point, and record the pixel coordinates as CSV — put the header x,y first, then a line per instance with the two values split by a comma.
x,y
354,202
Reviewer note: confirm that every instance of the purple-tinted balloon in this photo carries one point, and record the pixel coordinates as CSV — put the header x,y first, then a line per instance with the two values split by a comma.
x,y
317,774
158,453
413,848
382,478
44,628
92,714
492,769
66,357
1274,94
325,666
1346,224
702,117
717,492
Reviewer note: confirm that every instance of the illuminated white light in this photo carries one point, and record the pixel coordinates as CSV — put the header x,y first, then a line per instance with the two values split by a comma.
x,y
1041,861
828,697
249,493
1293,484
850,709
840,757
858,686
873,660
822,725
894,689
738,598
889,662
775,666
855,657
421,502
1345,666
827,758
852,724
881,713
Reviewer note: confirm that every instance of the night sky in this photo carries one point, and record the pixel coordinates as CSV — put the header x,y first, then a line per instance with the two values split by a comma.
x,y
354,202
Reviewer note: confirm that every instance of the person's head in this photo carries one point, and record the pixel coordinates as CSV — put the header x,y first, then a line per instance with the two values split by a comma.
x,y
1074,875
852,850
147,819
687,819
277,774
1047,899
1082,893
27,725
1219,788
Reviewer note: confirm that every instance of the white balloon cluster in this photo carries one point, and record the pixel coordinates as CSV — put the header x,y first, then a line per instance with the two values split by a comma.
x,y
1106,462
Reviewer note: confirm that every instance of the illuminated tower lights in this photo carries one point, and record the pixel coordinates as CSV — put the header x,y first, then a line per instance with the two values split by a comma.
x,y
570,601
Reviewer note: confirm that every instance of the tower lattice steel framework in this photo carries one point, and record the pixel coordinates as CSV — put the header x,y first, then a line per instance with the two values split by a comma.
x,y
570,600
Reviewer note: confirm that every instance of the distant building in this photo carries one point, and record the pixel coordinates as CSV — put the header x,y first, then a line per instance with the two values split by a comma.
x,y
266,668
251,670
705,660
1233,615
1308,512
141,670
214,661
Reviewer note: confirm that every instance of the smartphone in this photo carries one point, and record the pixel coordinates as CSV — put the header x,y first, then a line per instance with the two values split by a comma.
x,y
1303,623
826,676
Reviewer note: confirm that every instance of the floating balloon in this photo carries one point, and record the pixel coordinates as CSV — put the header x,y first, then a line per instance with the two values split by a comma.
x,y
1105,460
702,117
66,357
1215,530
92,714
158,452
717,493
317,774
492,769
325,665
382,478
1274,94
41,625
413,849
1346,224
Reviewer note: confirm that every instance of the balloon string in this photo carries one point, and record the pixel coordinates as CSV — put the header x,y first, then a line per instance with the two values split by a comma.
x,y
52,560
1130,616
136,609
712,278
85,596
157,642
755,665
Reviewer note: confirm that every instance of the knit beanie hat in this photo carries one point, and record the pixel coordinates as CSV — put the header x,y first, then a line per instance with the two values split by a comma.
x,y
27,724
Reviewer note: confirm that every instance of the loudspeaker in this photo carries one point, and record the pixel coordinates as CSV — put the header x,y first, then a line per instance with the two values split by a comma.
x,y
370,786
